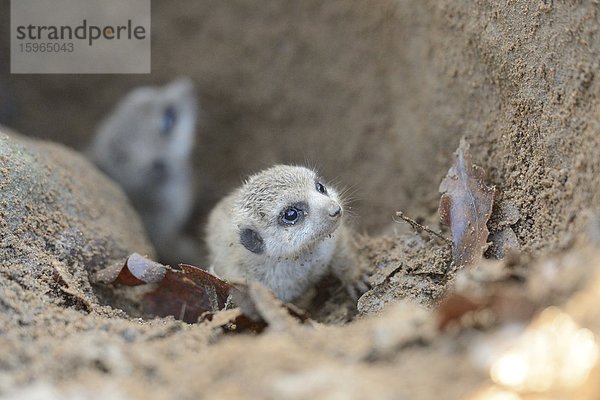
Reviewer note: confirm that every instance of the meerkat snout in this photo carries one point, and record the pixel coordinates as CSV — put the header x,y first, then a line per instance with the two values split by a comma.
x,y
284,228
335,211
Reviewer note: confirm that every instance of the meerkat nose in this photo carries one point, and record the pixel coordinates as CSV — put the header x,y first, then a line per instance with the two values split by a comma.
x,y
335,211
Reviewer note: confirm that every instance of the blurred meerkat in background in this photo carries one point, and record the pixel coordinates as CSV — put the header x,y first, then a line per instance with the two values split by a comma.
x,y
145,145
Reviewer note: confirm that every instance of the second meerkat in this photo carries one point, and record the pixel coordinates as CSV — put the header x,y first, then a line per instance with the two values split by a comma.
x,y
283,228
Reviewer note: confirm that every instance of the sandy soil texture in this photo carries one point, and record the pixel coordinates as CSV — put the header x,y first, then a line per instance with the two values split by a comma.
x,y
377,95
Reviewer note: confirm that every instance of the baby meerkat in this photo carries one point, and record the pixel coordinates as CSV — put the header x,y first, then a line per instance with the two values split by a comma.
x,y
145,145
283,228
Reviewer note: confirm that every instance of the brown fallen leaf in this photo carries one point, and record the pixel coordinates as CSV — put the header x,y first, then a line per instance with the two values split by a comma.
x,y
190,290
191,294
185,293
466,206
232,321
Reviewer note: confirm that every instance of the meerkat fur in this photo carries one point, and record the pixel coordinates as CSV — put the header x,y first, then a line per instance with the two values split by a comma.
x,y
145,145
285,229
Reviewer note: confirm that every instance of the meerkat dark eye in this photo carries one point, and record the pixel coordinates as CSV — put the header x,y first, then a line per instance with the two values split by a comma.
x,y
321,188
169,119
159,166
290,216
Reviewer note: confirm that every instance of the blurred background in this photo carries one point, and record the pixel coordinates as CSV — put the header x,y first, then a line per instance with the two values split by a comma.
x,y
330,84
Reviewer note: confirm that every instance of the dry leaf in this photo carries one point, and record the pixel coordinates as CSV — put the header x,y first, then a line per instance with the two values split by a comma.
x,y
184,293
190,294
233,320
466,206
189,291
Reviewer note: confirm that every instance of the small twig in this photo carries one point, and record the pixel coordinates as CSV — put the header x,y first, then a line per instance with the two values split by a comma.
x,y
417,227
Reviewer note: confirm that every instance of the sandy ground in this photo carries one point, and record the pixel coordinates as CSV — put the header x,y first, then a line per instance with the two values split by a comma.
x,y
377,95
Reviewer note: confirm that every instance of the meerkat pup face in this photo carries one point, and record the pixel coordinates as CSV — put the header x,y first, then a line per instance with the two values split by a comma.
x,y
150,132
285,210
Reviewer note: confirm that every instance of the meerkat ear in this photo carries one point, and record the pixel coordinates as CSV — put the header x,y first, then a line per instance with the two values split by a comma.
x,y
252,240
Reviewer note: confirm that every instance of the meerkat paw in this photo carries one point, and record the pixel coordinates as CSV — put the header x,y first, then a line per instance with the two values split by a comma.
x,y
359,286
355,276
